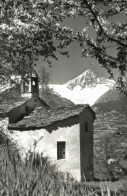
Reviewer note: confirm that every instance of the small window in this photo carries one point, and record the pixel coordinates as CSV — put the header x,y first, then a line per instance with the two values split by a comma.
x,y
33,83
61,150
86,126
25,85
35,100
27,109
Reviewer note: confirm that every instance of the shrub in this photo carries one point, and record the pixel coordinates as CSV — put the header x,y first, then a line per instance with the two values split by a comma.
x,y
36,176
110,156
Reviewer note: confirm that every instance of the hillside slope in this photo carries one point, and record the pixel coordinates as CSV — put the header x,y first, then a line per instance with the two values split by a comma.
x,y
111,112
111,123
112,95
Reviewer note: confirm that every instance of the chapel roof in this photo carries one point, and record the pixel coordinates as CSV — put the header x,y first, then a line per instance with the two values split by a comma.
x,y
54,100
7,105
43,117
11,98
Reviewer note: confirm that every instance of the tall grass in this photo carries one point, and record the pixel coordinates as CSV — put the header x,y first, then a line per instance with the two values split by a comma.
x,y
36,176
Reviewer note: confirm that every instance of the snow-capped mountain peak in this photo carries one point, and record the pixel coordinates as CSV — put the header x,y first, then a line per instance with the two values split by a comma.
x,y
85,88
88,79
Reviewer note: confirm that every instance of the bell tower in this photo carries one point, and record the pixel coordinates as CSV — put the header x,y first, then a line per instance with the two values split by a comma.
x,y
29,86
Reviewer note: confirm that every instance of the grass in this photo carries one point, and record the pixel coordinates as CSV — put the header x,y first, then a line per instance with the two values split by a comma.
x,y
36,176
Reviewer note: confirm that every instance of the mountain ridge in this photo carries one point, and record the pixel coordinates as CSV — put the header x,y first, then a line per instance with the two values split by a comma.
x,y
86,88
87,79
112,95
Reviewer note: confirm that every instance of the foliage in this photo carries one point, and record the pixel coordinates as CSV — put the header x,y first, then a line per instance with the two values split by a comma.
x,y
36,176
26,32
102,32
110,156
29,29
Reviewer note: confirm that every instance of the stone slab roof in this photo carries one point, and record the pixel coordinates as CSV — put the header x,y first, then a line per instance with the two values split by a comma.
x,y
54,100
42,117
7,105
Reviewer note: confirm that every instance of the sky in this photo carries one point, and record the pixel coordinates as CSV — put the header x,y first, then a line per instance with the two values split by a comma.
x,y
65,69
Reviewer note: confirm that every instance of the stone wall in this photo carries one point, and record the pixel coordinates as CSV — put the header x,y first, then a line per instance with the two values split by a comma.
x,y
46,143
86,144
79,143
